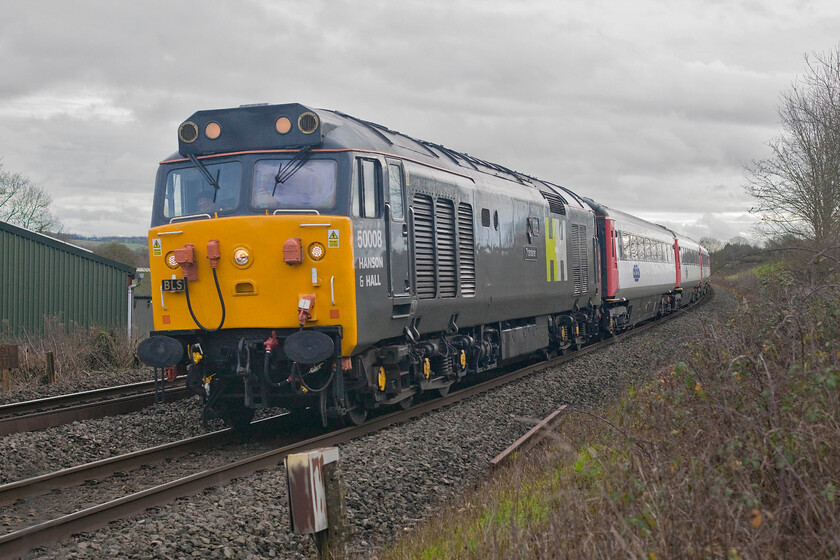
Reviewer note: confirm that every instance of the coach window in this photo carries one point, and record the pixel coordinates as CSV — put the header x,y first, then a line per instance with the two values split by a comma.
x,y
366,201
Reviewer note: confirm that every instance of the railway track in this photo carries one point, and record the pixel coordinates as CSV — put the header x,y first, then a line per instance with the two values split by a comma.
x,y
27,416
48,532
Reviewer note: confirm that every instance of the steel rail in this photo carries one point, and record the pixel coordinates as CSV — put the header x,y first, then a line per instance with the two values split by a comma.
x,y
49,532
36,405
49,412
73,476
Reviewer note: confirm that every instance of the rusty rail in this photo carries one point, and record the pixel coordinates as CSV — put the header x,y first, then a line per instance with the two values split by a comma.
x,y
531,438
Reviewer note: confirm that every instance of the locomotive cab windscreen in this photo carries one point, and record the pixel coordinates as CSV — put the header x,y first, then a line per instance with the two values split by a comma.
x,y
246,186
188,193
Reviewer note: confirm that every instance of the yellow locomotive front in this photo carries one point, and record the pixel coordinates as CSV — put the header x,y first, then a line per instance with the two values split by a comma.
x,y
252,263
241,272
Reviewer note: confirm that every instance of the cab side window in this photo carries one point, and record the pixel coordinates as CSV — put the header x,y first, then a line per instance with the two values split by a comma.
x,y
366,188
395,198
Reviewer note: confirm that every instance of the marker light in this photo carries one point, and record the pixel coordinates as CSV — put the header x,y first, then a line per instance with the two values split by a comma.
x,y
316,251
213,130
241,256
283,125
170,260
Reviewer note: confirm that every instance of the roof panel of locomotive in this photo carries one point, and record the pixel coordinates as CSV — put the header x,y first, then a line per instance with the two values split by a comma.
x,y
344,132
348,132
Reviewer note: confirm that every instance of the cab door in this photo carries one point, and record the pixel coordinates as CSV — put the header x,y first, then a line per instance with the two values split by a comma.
x,y
399,286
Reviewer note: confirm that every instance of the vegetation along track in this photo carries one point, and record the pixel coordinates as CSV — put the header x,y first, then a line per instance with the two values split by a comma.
x,y
53,530
27,416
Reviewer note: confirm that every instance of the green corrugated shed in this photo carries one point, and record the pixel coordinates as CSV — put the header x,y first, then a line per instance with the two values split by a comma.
x,y
44,277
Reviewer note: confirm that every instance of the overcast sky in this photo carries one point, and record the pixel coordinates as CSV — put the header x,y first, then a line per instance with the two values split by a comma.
x,y
652,107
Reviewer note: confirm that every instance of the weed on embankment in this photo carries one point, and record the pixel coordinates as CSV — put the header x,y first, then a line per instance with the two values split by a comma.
x,y
730,453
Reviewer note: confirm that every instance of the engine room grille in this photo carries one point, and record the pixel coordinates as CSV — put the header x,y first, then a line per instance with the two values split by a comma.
x,y
445,236
424,246
466,249
580,263
556,203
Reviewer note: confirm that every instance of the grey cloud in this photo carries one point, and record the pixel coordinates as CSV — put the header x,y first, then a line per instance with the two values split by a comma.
x,y
645,105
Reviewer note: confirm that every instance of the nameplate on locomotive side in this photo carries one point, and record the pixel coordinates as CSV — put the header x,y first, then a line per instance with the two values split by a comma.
x,y
530,253
8,356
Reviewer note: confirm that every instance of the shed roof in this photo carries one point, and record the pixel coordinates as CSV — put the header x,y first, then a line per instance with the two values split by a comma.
x,y
64,246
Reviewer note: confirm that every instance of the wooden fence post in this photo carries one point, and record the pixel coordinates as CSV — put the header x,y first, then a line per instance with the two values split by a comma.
x,y
8,362
50,368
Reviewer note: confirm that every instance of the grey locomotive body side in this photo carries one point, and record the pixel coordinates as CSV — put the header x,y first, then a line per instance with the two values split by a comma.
x,y
459,265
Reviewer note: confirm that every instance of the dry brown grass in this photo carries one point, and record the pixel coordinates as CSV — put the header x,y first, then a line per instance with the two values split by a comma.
x,y
731,453
77,351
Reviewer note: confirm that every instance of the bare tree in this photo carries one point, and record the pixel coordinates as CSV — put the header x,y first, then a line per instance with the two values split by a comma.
x,y
24,204
711,244
797,189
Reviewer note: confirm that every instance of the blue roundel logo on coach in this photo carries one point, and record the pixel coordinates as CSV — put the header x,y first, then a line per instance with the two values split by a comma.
x,y
636,273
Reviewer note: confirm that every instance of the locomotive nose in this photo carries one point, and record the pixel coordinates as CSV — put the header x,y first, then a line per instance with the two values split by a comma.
x,y
265,267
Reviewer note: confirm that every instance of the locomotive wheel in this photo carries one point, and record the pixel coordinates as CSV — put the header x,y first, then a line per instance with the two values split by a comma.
x,y
356,412
356,415
405,404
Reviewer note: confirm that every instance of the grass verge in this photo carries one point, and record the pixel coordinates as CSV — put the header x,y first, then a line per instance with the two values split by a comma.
x,y
730,453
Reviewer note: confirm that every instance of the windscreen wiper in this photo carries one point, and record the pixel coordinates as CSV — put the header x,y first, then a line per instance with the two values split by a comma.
x,y
213,182
284,173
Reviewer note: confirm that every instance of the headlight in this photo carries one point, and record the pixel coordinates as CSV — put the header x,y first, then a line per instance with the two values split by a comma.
x,y
170,260
308,122
188,132
316,251
241,257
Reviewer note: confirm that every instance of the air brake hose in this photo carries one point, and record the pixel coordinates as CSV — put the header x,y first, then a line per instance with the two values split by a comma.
x,y
299,377
267,374
221,300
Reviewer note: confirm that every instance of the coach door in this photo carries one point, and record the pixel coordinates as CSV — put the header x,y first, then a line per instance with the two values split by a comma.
x,y
398,257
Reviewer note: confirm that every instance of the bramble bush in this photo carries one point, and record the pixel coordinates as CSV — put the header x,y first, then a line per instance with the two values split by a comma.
x,y
77,351
730,453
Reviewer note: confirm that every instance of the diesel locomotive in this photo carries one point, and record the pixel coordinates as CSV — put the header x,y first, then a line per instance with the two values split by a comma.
x,y
304,258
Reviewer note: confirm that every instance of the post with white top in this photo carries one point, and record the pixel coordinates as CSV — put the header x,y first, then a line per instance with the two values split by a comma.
x,y
316,499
